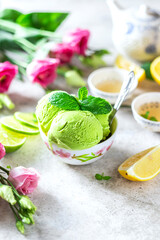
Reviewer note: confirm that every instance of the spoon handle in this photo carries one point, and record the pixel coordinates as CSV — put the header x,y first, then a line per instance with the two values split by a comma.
x,y
123,93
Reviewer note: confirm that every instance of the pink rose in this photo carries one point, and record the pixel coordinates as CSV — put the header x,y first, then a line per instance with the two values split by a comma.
x,y
2,151
78,40
43,71
63,51
25,180
7,73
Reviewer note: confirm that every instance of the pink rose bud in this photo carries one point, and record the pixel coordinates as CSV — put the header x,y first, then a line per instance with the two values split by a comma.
x,y
43,71
25,180
63,51
7,73
78,40
2,151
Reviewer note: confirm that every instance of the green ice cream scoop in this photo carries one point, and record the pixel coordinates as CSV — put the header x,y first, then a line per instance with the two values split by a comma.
x,y
45,112
104,120
75,130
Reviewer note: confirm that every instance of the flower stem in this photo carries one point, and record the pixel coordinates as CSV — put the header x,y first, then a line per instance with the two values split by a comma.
x,y
5,170
28,46
13,188
14,212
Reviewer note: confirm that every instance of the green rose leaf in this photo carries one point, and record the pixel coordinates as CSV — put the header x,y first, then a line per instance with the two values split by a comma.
x,y
82,93
95,105
7,194
64,101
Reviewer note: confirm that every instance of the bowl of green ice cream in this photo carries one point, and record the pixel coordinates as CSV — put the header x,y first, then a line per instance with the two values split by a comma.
x,y
75,129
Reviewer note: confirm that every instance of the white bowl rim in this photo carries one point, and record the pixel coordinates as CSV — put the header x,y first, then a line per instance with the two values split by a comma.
x,y
99,144
91,85
139,116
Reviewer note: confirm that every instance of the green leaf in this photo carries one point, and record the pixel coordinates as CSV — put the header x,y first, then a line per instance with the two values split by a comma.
x,y
10,14
98,176
146,67
64,101
47,21
95,105
153,119
9,167
7,194
102,177
101,52
20,226
146,115
82,93
106,177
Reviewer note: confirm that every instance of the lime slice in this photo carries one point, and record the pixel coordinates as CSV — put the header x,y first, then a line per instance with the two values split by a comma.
x,y
14,125
11,140
29,119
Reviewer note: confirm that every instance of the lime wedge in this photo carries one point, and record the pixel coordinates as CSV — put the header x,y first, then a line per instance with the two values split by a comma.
x,y
11,123
11,140
29,119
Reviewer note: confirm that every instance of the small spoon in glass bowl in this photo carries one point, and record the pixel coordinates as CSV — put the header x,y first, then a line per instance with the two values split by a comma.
x,y
122,95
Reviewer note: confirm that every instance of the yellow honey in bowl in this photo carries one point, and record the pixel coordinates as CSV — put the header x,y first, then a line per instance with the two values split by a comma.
x,y
150,111
112,86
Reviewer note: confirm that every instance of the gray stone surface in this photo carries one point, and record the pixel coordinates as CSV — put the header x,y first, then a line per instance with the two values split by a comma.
x,y
71,203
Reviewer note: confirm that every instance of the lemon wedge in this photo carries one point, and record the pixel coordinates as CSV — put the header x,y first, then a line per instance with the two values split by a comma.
x,y
155,69
142,166
124,63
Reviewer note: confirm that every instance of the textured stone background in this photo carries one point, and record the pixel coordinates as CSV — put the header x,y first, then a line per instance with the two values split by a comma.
x,y
71,203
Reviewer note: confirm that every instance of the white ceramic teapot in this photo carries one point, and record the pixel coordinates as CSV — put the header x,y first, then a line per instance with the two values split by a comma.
x,y
136,32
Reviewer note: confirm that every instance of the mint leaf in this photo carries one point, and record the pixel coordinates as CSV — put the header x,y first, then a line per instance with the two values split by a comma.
x,y
82,93
98,176
64,101
106,177
95,105
145,115
153,119
102,177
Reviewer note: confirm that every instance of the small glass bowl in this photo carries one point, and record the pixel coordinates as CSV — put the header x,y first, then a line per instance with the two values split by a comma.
x,y
138,102
108,73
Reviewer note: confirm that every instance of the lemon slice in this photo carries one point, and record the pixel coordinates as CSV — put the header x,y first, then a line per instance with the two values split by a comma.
x,y
143,166
11,123
124,63
12,141
29,119
155,69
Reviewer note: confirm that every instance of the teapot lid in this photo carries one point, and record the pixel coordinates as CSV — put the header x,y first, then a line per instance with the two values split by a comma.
x,y
145,12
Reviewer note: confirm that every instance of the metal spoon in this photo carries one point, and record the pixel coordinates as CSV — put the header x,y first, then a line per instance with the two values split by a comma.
x,y
126,86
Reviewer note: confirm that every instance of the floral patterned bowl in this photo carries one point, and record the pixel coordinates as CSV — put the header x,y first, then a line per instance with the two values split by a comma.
x,y
81,157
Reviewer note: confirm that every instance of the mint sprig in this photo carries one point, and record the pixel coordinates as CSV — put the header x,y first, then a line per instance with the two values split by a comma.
x,y
84,102
102,177
64,101
146,116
